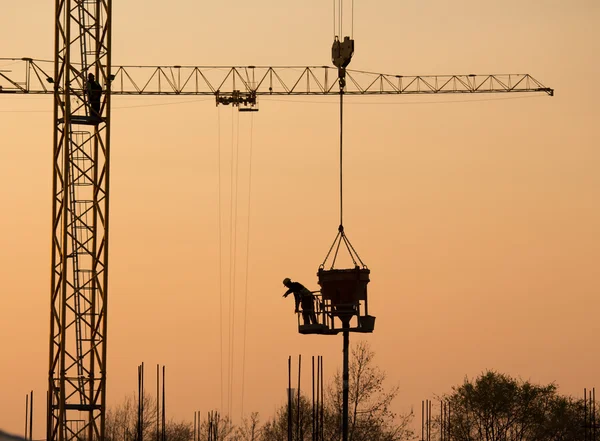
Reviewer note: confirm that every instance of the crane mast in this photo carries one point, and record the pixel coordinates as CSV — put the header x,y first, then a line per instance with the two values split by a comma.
x,y
81,152
81,159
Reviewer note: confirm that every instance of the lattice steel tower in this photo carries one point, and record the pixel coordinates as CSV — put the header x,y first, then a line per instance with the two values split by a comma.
x,y
81,148
77,371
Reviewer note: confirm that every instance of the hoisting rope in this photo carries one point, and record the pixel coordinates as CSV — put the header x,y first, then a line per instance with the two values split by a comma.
x,y
220,251
235,150
230,309
341,155
247,265
341,235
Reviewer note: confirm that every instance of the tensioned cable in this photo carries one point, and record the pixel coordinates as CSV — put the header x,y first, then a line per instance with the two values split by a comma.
x,y
247,263
341,235
231,256
341,13
229,270
137,106
352,27
234,254
220,249
334,19
398,103
163,104
341,156
369,103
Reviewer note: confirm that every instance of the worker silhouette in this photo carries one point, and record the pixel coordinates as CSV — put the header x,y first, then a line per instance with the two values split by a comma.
x,y
304,297
94,92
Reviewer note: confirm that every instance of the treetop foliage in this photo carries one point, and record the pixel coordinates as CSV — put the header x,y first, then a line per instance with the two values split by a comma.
x,y
497,407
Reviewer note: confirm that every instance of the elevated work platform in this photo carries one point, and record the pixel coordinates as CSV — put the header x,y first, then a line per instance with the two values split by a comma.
x,y
341,305
83,120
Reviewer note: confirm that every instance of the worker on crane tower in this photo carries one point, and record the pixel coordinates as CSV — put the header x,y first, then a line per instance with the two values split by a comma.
x,y
94,92
302,296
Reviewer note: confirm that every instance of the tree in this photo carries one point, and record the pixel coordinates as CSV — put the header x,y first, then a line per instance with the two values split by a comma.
x,y
371,418
277,428
497,407
122,422
249,430
178,431
370,414
216,428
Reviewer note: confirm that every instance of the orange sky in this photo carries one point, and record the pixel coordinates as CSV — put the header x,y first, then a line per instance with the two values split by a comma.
x,y
478,217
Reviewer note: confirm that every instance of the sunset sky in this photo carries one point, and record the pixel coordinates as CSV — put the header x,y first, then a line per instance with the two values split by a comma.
x,y
479,217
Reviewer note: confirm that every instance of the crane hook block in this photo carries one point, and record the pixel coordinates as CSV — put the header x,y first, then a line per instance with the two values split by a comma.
x,y
342,51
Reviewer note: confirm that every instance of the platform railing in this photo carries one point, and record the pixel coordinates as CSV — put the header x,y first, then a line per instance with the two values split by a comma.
x,y
328,317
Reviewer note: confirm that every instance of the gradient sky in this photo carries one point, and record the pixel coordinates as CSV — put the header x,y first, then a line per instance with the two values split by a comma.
x,y
478,217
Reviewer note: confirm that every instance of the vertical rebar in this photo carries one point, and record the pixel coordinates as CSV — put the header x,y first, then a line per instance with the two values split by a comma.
x,y
164,433
593,414
449,421
142,406
139,406
289,394
313,400
318,414
422,420
157,401
322,425
298,417
441,421
585,417
49,414
26,414
31,416
429,422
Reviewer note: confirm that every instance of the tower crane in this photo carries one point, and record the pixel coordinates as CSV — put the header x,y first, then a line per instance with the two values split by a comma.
x,y
81,176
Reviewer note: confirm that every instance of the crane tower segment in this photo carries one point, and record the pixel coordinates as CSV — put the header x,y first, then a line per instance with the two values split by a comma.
x,y
81,151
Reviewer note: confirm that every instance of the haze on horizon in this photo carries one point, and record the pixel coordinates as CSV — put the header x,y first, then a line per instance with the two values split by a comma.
x,y
478,217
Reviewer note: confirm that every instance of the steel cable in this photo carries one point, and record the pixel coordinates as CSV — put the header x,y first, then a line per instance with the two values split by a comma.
x,y
247,263
220,249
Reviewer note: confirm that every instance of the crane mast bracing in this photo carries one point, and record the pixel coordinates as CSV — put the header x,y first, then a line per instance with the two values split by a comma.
x,y
81,154
77,358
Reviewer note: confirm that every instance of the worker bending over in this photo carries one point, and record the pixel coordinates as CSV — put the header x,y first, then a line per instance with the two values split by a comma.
x,y
304,297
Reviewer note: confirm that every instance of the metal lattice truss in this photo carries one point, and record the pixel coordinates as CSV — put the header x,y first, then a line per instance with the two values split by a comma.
x,y
77,371
254,80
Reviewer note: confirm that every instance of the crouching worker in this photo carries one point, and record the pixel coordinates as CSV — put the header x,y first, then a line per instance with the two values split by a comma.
x,y
304,297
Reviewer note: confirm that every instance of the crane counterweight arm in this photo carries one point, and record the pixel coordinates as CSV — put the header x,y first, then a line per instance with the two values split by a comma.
x,y
246,82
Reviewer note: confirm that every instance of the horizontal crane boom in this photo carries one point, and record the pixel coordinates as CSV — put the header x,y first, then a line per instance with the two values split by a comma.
x,y
242,84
